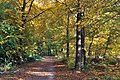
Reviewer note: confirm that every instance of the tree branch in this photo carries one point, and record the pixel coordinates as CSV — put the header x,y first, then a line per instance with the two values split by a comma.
x,y
28,2
30,6
38,15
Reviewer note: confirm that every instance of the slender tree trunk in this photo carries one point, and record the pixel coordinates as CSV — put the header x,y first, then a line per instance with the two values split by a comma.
x,y
56,51
83,52
89,49
82,37
107,43
67,33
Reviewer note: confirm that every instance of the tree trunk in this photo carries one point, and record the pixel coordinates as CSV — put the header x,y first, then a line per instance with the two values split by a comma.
x,y
107,43
89,50
83,52
80,52
80,37
78,49
67,35
23,13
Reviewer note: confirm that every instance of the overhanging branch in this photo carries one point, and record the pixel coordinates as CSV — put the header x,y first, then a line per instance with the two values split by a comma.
x,y
38,15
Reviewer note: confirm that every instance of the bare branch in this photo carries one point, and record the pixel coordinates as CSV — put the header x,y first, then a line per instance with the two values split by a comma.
x,y
30,6
38,15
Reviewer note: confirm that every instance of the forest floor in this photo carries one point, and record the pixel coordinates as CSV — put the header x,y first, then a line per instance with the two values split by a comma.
x,y
52,69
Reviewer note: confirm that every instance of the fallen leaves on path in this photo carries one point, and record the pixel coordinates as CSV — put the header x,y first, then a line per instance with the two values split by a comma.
x,y
107,73
57,70
32,71
63,73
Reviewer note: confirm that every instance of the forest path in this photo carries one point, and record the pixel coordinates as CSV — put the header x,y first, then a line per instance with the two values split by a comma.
x,y
42,70
49,68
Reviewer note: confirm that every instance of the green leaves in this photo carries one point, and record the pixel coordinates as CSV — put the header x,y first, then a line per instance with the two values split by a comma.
x,y
7,36
6,28
6,7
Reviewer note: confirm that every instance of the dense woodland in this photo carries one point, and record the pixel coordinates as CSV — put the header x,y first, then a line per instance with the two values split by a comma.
x,y
30,29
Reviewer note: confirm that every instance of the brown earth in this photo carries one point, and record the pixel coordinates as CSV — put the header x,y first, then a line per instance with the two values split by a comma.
x,y
52,69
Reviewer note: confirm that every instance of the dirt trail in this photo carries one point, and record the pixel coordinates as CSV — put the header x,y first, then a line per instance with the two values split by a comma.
x,y
43,70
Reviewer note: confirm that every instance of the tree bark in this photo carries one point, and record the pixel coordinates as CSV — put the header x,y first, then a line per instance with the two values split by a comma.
x,y
67,35
78,41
